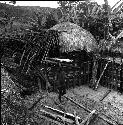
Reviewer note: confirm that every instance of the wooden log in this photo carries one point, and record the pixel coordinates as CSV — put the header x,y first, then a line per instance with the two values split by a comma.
x,y
55,117
63,63
67,115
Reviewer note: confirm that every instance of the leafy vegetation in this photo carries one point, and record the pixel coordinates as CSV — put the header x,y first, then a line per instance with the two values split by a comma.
x,y
21,17
99,20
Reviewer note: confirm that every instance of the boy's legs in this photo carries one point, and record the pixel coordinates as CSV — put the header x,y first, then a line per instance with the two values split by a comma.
x,y
62,91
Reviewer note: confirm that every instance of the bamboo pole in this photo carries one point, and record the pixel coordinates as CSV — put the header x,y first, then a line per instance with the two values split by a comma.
x,y
22,56
67,115
97,84
55,117
115,5
94,71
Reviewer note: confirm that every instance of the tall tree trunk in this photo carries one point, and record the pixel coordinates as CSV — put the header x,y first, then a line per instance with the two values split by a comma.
x,y
106,18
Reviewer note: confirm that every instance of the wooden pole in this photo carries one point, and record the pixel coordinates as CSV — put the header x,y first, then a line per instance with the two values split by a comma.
x,y
55,117
94,71
67,115
115,5
97,84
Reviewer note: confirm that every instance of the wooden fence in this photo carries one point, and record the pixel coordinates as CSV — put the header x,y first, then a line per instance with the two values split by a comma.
x,y
113,75
77,76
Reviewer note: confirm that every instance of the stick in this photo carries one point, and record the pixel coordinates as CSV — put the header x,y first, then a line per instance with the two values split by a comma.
x,y
67,115
56,117
81,106
97,84
107,92
35,103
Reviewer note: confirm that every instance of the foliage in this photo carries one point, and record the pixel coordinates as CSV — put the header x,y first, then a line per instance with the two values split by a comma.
x,y
13,2
43,21
99,20
12,110
35,17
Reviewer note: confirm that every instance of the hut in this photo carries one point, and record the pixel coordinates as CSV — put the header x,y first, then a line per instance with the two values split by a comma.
x,y
70,41
69,38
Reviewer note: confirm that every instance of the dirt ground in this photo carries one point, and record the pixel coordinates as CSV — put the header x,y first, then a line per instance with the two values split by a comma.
x,y
16,111
112,105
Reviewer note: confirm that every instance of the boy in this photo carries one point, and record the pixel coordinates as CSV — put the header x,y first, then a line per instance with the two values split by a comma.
x,y
61,81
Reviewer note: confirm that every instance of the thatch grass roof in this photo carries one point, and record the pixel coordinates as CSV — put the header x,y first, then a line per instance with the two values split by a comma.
x,y
73,37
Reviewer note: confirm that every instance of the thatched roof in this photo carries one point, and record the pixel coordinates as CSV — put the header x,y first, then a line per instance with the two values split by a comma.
x,y
73,37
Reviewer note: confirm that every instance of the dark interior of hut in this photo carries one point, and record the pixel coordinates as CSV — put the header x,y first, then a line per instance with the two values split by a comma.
x,y
78,56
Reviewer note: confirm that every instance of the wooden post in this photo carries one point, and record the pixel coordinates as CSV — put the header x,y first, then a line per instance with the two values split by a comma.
x,y
94,71
97,83
88,71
